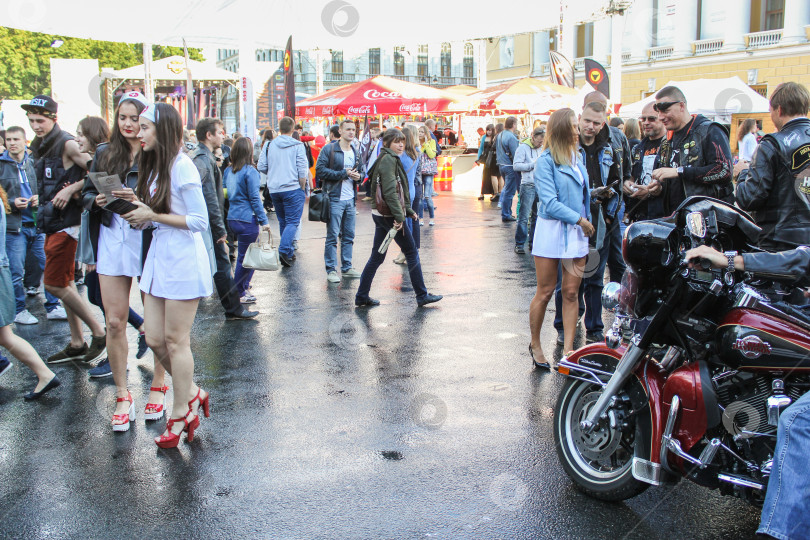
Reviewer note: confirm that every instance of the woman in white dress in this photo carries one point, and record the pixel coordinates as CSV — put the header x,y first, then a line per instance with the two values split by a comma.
x,y
747,139
117,248
176,273
561,182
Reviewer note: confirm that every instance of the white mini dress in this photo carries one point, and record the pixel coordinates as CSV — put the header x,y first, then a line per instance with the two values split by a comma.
x,y
555,239
119,249
177,266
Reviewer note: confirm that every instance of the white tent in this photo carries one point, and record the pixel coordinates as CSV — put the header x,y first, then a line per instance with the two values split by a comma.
x,y
717,99
173,68
325,24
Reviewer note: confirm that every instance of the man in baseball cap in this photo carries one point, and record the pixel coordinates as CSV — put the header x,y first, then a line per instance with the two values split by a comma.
x,y
43,105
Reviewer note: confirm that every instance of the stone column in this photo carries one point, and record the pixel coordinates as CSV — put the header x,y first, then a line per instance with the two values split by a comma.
x,y
601,40
796,17
738,23
638,29
685,27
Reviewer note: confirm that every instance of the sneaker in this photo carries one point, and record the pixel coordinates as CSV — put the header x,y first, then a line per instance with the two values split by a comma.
x,y
499,205
142,346
5,364
79,282
399,259
248,299
25,317
594,337
431,223
103,369
351,273
97,347
421,223
519,250
333,277
429,299
68,353
57,314
32,291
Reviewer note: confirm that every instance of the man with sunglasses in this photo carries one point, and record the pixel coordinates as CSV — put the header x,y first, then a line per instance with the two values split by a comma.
x,y
777,187
645,197
695,155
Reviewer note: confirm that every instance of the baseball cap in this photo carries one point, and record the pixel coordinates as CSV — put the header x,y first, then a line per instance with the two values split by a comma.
x,y
40,103
134,96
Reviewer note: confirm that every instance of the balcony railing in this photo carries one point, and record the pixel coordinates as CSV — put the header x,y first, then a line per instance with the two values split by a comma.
x,y
626,57
342,78
579,63
469,81
768,38
707,46
660,53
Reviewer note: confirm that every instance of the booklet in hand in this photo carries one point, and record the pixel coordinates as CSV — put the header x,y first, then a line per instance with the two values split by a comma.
x,y
107,183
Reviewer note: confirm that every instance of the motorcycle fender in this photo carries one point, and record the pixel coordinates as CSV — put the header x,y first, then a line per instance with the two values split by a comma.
x,y
646,392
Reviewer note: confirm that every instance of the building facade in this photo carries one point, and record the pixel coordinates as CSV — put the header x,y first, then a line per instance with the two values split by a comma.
x,y
764,42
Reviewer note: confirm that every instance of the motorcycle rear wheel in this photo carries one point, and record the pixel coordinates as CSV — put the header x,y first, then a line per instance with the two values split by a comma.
x,y
599,464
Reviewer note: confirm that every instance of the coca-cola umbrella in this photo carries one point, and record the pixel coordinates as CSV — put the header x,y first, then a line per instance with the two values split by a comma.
x,y
378,95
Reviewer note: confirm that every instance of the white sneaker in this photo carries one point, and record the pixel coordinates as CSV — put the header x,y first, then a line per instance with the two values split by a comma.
x,y
431,223
333,277
25,317
32,291
57,314
351,273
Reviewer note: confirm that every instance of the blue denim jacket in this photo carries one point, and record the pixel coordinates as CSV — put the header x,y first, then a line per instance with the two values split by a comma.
x,y
243,195
561,195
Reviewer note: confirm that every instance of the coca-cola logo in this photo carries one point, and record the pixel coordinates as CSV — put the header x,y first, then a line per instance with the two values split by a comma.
x,y
365,109
377,95
327,111
752,347
309,111
413,107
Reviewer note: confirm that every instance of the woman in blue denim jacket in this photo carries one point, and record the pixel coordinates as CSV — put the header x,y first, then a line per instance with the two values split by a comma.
x,y
563,223
245,211
21,349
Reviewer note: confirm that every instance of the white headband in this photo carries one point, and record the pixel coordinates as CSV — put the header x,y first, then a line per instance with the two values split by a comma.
x,y
150,113
134,96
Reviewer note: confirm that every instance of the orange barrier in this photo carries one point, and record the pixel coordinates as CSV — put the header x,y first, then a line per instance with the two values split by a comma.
x,y
443,181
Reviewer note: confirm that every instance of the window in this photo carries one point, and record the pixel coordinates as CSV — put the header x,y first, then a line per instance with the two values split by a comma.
x,y
446,60
774,14
761,89
337,61
399,61
422,61
469,61
374,61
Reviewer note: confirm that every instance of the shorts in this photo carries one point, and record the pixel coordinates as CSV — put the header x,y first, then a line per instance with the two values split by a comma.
x,y
60,254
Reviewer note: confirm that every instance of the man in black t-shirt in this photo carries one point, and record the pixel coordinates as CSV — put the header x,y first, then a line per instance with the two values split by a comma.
x,y
645,195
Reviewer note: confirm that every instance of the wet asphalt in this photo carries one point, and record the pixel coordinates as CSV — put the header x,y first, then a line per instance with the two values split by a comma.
x,y
335,422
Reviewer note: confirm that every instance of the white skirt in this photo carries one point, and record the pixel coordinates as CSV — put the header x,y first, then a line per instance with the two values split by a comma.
x,y
550,237
119,249
177,266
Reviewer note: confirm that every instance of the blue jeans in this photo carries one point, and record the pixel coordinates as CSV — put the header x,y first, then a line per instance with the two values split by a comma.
x,y
427,197
414,225
786,511
246,233
289,205
18,247
528,199
405,242
341,222
511,181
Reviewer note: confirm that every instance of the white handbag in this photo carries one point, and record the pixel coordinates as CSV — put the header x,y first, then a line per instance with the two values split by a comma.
x,y
262,254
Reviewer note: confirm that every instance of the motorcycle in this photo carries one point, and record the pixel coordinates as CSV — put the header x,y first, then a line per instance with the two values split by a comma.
x,y
695,371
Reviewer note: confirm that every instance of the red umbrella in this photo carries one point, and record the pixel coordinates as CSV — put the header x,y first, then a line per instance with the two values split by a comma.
x,y
379,95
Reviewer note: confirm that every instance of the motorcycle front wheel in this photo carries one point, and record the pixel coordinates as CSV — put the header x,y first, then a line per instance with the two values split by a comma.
x,y
599,463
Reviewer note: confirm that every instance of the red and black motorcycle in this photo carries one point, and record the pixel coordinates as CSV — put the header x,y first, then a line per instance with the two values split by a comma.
x,y
695,371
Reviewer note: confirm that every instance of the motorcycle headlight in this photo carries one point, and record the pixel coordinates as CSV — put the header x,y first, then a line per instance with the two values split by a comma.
x,y
611,295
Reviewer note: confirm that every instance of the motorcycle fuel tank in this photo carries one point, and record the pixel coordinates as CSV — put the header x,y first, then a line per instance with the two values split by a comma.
x,y
753,340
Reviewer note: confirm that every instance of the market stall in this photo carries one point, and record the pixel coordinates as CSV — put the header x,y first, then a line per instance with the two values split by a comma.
x,y
170,76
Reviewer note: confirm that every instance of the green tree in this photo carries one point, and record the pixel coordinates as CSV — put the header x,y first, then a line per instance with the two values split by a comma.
x,y
25,57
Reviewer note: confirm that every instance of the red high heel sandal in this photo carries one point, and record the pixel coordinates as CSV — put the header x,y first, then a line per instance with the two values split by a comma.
x,y
204,404
121,422
171,440
155,411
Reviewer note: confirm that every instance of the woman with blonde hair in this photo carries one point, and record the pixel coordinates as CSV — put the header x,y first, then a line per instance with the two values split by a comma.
x,y
560,239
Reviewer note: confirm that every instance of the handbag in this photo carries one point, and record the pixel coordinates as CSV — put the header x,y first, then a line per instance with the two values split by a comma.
x,y
262,255
428,165
382,206
319,206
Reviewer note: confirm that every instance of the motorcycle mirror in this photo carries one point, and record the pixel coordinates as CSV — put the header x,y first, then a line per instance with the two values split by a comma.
x,y
611,294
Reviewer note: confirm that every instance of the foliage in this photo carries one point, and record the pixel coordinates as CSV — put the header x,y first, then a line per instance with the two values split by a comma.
x,y
25,68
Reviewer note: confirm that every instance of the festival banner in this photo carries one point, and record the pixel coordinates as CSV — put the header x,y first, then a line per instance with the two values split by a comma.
x,y
597,76
562,72
289,81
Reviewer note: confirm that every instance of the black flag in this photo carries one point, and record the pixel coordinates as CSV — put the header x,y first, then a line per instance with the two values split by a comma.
x,y
597,77
561,70
289,81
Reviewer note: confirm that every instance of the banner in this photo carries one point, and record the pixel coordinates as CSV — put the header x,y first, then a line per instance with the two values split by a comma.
x,y
289,81
597,77
246,113
562,72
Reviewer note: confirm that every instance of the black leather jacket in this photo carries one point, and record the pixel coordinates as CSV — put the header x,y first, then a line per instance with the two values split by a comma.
x,y
777,188
211,178
794,263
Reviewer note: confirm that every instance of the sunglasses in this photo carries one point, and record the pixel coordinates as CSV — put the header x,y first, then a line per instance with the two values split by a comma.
x,y
664,105
648,118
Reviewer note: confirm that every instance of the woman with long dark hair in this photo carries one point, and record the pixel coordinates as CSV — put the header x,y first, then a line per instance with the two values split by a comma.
x,y
747,139
176,273
390,212
117,249
411,158
561,182
245,212
486,157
